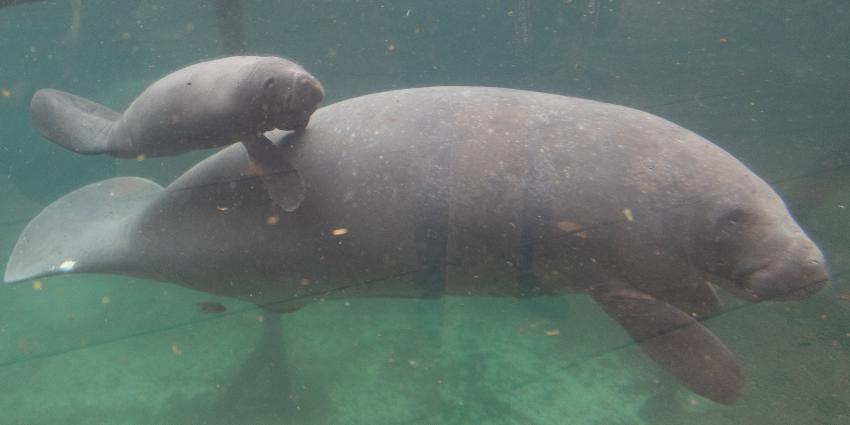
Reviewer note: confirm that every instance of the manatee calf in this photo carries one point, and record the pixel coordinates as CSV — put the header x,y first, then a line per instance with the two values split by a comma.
x,y
206,105
497,192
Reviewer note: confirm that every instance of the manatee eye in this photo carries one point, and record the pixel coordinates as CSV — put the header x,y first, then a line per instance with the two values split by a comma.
x,y
731,223
735,217
269,83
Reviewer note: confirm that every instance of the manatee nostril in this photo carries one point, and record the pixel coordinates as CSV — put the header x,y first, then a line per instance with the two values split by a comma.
x,y
269,83
311,87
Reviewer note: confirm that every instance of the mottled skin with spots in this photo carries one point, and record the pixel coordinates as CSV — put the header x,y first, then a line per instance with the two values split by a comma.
x,y
497,192
205,105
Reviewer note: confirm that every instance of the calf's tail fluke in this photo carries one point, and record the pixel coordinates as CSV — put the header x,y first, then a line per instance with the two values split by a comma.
x,y
71,121
86,231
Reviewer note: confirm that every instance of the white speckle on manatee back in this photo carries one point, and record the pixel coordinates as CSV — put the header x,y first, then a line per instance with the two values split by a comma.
x,y
67,265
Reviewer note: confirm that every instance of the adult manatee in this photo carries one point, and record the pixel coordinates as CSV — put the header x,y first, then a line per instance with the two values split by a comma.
x,y
480,186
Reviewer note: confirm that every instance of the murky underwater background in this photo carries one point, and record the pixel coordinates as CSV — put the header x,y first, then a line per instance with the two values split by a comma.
x,y
767,80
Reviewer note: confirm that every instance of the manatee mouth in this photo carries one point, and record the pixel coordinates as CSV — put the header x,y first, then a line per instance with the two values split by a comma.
x,y
804,291
784,283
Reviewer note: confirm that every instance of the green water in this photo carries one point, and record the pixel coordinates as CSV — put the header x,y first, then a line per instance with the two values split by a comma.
x,y
769,81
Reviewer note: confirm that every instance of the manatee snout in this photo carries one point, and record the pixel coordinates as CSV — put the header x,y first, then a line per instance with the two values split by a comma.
x,y
280,95
308,90
792,274
307,93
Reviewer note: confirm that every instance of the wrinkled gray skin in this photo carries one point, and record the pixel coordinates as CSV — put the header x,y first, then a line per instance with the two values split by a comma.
x,y
480,186
205,105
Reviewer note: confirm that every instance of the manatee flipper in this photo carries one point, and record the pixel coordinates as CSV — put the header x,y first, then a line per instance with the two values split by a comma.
x,y
699,299
283,182
676,341
286,188
85,231
71,121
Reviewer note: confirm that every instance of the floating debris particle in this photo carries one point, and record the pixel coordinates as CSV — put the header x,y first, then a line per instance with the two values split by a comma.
x,y
222,209
272,219
6,92
304,281
140,157
176,350
553,332
211,307
36,285
125,35
261,318
251,169
105,299
390,46
574,228
628,213
723,40
568,226
339,231
67,265
190,27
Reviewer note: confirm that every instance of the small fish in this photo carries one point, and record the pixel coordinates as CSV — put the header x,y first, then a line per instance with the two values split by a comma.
x,y
211,307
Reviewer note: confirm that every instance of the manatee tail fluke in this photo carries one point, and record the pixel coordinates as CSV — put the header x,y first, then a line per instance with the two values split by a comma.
x,y
75,123
85,231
